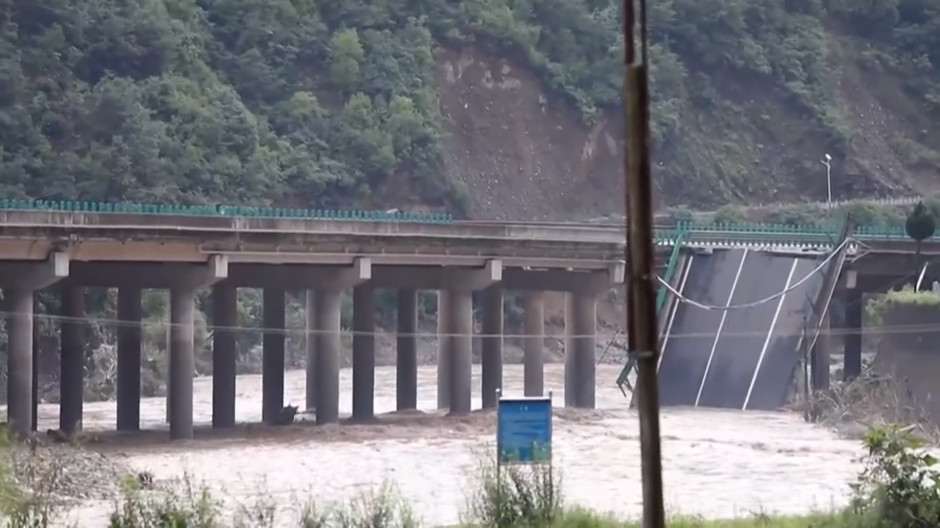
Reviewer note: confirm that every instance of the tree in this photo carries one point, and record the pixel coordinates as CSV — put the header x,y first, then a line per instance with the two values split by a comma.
x,y
920,225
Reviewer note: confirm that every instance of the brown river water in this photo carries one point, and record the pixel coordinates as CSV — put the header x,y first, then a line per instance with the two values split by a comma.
x,y
716,463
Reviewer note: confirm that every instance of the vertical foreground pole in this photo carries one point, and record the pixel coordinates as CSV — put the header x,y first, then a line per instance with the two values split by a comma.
x,y
641,303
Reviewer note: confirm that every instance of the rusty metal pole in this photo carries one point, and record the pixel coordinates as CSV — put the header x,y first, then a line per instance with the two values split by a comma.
x,y
641,288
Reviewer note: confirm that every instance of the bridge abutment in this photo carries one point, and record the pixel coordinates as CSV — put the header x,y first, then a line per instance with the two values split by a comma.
x,y
406,365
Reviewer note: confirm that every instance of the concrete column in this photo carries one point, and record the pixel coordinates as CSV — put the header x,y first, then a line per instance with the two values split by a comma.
x,y
128,359
272,375
443,350
853,337
72,360
169,399
460,359
406,364
363,354
34,397
20,360
492,356
182,334
327,306
224,354
580,325
311,344
821,353
533,345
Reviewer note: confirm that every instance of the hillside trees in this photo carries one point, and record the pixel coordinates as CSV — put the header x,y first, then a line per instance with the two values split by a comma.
x,y
315,103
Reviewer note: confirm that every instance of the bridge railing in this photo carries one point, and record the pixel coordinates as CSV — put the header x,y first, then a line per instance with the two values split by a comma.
x,y
690,232
783,234
221,210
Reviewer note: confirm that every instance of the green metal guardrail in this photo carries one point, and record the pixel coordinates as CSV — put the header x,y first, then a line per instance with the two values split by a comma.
x,y
688,231
775,232
661,295
220,210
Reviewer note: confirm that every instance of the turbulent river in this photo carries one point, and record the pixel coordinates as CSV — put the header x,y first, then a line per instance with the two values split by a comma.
x,y
716,463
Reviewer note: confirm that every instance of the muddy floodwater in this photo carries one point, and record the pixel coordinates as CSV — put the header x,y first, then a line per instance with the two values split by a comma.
x,y
716,463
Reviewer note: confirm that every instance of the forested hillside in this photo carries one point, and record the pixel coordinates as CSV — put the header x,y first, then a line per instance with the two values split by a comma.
x,y
488,108
322,102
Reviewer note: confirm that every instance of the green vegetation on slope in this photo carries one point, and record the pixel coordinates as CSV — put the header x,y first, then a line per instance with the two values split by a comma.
x,y
316,103
216,100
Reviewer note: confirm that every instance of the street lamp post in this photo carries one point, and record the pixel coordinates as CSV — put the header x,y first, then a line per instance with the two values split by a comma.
x,y
828,163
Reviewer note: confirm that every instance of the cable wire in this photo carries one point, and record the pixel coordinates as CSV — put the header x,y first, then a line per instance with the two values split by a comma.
x,y
241,329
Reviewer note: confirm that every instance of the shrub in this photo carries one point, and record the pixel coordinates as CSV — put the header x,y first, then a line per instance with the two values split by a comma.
x,y
515,496
900,486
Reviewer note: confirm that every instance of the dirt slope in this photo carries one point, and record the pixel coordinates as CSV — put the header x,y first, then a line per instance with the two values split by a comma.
x,y
519,150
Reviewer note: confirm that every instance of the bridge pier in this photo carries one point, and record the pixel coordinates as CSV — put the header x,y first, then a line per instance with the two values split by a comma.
x,y
128,358
459,351
19,282
406,364
363,353
492,341
224,355
182,334
72,360
853,336
443,349
533,345
327,304
310,343
20,359
820,357
580,325
272,374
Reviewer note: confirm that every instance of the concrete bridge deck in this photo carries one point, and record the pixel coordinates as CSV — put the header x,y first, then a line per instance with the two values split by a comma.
x,y
326,256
